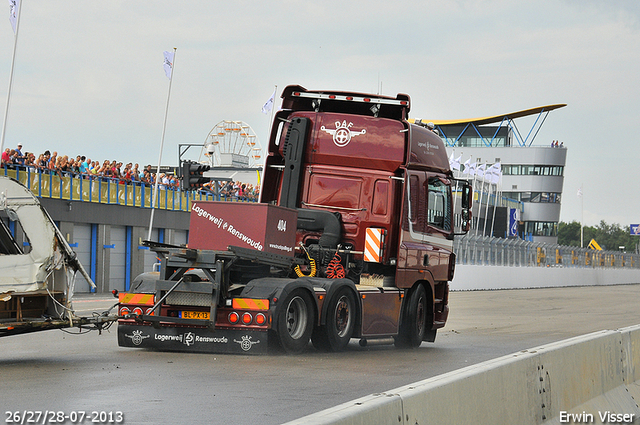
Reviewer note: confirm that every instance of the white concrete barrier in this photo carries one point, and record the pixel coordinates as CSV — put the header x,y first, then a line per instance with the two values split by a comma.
x,y
631,359
593,378
471,277
372,409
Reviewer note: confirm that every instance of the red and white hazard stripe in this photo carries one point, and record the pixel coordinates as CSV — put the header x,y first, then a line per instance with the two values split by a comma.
x,y
373,245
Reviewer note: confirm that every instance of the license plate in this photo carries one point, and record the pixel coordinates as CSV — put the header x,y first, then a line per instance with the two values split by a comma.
x,y
200,315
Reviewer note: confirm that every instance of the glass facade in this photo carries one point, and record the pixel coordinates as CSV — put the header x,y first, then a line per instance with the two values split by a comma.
x,y
474,137
476,142
544,197
532,170
541,228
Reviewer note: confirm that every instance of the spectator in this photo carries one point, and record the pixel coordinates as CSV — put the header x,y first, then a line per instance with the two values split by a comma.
x,y
41,162
36,162
135,174
30,162
162,181
53,161
75,167
84,165
6,157
13,158
19,156
94,168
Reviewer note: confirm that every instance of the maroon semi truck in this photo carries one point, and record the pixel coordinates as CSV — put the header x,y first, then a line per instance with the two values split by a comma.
x,y
352,238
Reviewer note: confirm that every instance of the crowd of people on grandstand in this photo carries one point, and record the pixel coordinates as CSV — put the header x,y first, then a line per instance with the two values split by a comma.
x,y
112,170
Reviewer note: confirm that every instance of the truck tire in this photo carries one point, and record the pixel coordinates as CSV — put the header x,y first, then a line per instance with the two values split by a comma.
x,y
413,324
295,321
340,323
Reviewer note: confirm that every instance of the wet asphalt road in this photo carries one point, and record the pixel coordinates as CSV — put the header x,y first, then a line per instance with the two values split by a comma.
x,y
58,371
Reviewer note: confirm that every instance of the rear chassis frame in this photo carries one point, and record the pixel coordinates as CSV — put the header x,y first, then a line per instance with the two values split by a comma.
x,y
159,327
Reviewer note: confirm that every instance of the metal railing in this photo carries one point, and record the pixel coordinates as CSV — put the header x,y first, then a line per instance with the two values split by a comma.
x,y
489,251
107,190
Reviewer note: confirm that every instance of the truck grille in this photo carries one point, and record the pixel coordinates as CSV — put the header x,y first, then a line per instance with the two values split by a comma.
x,y
189,298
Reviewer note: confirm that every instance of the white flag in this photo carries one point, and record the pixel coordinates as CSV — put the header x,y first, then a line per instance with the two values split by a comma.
x,y
454,163
13,13
266,108
580,192
493,173
466,164
473,169
480,170
168,63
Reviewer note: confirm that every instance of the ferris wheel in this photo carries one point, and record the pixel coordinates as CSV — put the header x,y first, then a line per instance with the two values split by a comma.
x,y
232,143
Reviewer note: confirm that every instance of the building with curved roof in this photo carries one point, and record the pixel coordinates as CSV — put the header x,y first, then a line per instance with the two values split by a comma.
x,y
532,175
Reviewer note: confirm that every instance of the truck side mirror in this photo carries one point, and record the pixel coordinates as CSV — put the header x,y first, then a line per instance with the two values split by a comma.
x,y
467,194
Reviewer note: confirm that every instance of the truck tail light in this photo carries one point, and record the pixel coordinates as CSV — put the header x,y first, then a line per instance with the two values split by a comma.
x,y
247,318
149,311
261,319
137,311
124,311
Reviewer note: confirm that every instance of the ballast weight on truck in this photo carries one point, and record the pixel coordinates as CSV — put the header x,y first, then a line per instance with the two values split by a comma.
x,y
352,238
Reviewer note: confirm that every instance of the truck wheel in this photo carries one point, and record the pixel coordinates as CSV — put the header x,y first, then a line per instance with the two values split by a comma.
x,y
295,321
341,318
413,326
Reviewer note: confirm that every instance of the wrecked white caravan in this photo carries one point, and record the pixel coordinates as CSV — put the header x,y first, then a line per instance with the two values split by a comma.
x,y
37,277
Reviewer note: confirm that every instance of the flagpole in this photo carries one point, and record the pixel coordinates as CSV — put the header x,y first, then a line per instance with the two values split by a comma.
x,y
486,211
264,155
13,60
275,90
476,216
581,217
495,206
484,173
164,126
269,124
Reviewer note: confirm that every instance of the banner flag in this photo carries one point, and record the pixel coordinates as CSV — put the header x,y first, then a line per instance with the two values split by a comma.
x,y
13,13
466,164
266,108
480,171
168,63
454,163
513,222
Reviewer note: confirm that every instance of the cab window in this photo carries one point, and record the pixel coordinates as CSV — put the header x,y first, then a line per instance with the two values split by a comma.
x,y
439,204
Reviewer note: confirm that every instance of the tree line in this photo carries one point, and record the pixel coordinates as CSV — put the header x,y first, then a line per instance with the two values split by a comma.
x,y
610,237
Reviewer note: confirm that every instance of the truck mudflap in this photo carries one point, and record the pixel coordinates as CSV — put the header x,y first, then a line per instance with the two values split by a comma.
x,y
201,340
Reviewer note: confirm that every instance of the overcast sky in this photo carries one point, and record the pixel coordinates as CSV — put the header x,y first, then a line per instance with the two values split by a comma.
x,y
89,80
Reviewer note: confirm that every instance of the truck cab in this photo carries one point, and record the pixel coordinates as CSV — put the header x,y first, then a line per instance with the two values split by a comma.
x,y
357,157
